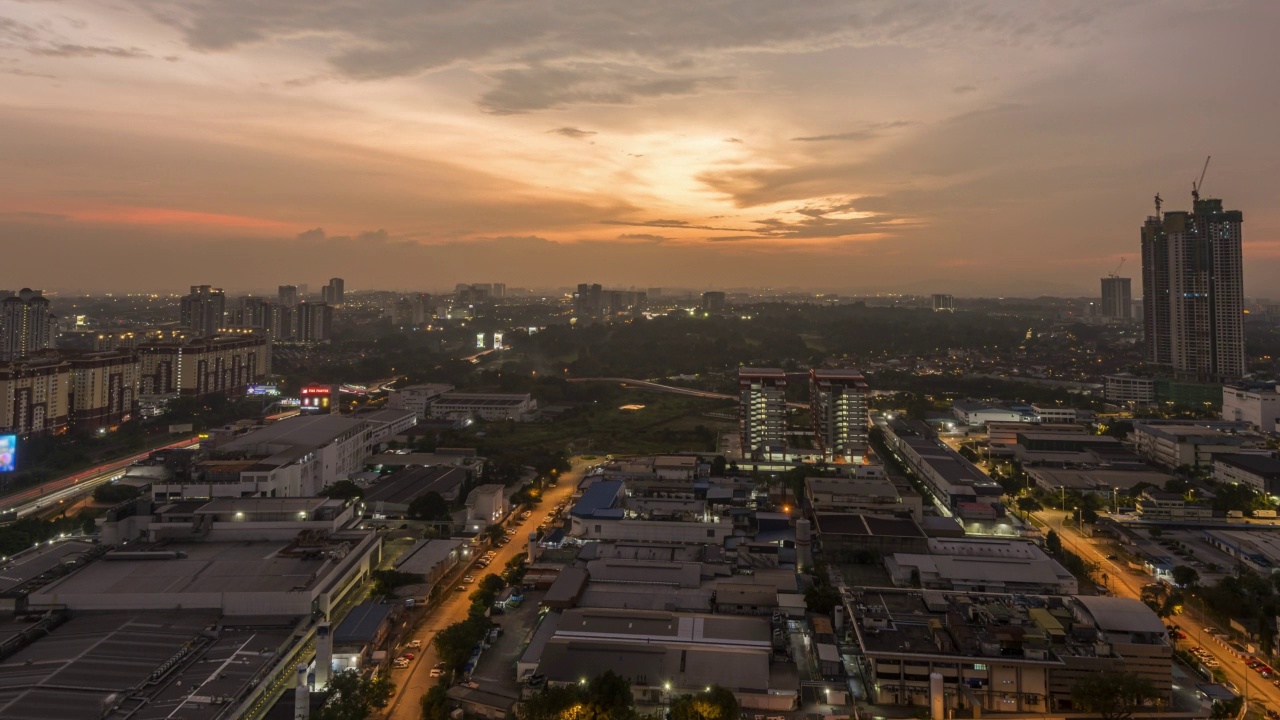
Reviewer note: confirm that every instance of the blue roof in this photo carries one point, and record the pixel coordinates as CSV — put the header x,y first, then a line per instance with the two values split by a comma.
x,y
361,624
598,497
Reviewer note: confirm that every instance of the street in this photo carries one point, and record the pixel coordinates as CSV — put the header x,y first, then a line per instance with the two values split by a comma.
x,y
1124,582
413,682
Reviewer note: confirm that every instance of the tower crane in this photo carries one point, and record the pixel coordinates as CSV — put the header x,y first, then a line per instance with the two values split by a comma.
x,y
1197,184
1116,273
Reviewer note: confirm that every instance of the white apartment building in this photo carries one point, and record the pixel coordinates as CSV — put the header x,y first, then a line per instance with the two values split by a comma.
x,y
417,398
839,399
762,410
1129,389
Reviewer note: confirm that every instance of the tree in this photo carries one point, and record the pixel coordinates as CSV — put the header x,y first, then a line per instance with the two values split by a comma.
x,y
821,599
714,704
435,704
1053,542
353,696
1227,709
1028,504
1113,695
429,506
455,643
494,533
718,466
112,493
342,490
1186,576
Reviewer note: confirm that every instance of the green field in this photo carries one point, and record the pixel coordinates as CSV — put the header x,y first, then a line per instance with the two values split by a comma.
x,y
667,423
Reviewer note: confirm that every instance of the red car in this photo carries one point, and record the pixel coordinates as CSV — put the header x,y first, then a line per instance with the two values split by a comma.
x,y
407,656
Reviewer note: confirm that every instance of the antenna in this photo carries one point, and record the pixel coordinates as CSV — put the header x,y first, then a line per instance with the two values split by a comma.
x,y
1159,202
1197,184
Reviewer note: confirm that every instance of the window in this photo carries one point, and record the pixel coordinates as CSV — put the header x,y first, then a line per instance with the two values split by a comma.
x,y
711,532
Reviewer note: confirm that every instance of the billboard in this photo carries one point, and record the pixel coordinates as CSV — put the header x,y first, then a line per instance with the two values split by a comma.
x,y
317,398
271,390
479,341
497,341
8,453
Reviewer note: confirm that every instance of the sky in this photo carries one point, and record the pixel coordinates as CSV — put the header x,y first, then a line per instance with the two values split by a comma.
x,y
978,148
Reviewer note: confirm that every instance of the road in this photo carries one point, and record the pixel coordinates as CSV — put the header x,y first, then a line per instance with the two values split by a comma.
x,y
1124,582
64,488
413,682
675,390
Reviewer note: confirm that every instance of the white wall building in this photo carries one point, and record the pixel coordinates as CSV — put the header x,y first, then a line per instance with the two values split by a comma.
x,y
1258,407
417,398
486,505
489,407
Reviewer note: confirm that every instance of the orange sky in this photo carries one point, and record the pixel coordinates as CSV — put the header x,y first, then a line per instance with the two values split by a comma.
x,y
976,148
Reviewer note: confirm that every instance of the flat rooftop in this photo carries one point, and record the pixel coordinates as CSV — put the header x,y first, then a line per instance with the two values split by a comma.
x,y
426,555
866,525
22,569
306,430
403,486
209,567
76,670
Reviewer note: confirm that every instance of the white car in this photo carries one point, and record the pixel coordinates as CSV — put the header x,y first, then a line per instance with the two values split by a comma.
x,y
415,644
436,672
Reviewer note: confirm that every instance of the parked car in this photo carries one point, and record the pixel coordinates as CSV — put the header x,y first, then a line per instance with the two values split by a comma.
x,y
415,644
461,588
436,672
469,579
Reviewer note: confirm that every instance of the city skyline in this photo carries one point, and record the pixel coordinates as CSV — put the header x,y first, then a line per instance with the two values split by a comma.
x,y
873,146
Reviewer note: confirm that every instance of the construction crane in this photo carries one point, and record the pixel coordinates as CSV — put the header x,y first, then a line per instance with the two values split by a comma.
x,y
1197,184
1116,273
1159,202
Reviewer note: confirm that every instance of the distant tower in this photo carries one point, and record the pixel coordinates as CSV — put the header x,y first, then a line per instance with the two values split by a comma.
x,y
944,303
762,410
26,325
839,399
204,310
334,293
1193,291
1117,298
288,295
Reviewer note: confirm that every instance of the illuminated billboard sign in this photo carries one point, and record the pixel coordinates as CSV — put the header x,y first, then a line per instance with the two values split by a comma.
x,y
497,341
316,398
8,453
479,341
271,390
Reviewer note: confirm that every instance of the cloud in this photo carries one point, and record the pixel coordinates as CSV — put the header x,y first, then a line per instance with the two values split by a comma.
x,y
543,87
642,237
867,131
573,132
66,50
962,89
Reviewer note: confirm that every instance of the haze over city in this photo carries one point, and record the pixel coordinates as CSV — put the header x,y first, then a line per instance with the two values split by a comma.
x,y
974,148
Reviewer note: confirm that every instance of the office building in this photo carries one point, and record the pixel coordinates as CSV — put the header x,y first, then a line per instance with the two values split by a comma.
x,y
1129,389
417,398
1190,443
489,407
34,396
314,322
202,366
203,310
288,295
762,411
334,293
713,301
1117,298
1193,304
1257,406
839,399
103,389
26,325
944,303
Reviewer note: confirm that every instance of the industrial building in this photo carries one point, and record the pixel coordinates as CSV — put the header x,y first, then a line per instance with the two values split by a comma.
x,y
878,496
489,407
948,475
982,565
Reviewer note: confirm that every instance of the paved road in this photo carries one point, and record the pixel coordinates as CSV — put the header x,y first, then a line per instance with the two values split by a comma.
x,y
1124,582
414,682
33,498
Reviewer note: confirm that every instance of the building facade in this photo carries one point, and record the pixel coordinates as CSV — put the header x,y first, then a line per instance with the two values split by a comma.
x,y
104,389
34,396
1193,284
204,310
1117,298
202,366
1259,407
26,324
762,411
839,399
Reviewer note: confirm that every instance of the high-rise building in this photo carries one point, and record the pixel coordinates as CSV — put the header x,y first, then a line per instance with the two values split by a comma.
x,y
1193,291
762,411
713,301
499,290
203,310
288,295
1117,298
250,313
104,389
26,325
202,366
839,399
587,302
944,303
315,322
333,293
33,395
